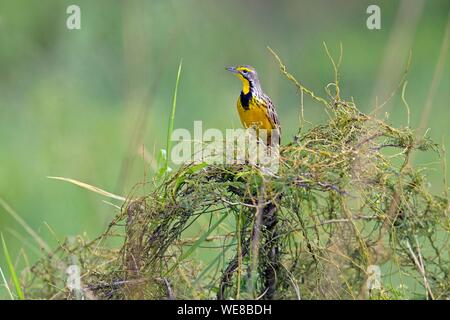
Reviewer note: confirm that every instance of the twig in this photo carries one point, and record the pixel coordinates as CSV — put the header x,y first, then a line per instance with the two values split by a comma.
x,y
420,266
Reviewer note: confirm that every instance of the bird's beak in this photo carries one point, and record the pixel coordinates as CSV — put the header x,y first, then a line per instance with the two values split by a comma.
x,y
232,69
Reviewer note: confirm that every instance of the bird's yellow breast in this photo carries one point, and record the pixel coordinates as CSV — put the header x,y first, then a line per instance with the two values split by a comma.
x,y
254,116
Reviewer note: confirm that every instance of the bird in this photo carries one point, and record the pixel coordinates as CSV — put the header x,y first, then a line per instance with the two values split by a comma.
x,y
255,108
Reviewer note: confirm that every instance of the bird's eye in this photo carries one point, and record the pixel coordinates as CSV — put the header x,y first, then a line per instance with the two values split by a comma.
x,y
244,71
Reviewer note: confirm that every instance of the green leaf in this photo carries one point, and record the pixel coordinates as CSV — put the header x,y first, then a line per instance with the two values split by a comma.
x,y
182,177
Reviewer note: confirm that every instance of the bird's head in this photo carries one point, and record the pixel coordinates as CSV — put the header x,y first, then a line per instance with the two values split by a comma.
x,y
248,76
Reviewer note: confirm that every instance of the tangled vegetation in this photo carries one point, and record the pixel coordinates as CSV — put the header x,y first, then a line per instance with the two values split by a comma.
x,y
345,204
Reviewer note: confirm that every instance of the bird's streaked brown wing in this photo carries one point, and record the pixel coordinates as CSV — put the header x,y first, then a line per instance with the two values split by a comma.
x,y
273,116
272,113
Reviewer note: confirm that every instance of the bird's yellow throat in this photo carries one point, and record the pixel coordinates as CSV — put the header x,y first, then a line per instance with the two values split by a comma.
x,y
245,84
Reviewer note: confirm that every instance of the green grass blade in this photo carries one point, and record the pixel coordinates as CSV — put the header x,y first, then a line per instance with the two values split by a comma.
x,y
211,265
42,244
6,284
194,246
12,271
172,117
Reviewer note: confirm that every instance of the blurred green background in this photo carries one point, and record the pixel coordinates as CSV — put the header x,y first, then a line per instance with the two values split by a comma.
x,y
83,103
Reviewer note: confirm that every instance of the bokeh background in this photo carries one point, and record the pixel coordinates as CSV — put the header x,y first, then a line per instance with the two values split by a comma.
x,y
86,104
